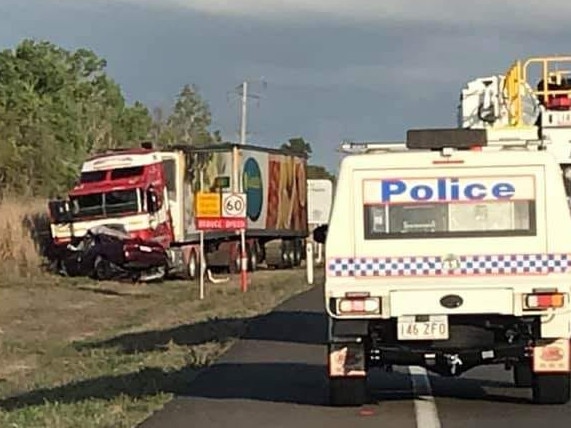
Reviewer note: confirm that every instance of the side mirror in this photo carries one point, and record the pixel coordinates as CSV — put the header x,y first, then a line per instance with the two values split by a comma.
x,y
152,201
320,234
60,211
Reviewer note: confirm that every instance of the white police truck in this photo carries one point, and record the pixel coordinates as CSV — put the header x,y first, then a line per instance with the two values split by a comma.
x,y
449,252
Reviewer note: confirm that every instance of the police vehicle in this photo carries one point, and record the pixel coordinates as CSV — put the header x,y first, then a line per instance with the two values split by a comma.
x,y
450,251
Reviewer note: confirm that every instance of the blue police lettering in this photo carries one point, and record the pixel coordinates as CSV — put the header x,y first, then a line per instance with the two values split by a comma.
x,y
422,192
469,191
446,189
503,190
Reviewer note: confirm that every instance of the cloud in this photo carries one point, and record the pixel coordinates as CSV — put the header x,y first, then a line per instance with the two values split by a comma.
x,y
378,77
512,13
389,61
335,68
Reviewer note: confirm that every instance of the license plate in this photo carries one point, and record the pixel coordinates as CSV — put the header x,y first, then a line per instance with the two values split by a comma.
x,y
419,327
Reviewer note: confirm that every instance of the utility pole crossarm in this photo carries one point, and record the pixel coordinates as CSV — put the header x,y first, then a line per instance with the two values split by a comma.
x,y
244,109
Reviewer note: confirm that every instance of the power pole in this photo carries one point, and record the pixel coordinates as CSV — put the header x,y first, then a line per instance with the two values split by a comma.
x,y
237,183
244,112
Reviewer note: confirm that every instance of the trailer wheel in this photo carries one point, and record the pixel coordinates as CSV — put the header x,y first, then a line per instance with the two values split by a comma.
x,y
252,258
286,254
291,255
234,262
193,267
347,391
297,253
522,374
283,255
551,388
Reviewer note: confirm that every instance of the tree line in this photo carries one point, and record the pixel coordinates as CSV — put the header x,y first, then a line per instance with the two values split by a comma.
x,y
57,107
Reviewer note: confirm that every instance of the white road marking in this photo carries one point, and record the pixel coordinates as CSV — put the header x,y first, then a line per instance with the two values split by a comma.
x,y
424,404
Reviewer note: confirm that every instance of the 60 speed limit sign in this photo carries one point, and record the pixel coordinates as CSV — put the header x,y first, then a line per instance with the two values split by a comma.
x,y
234,205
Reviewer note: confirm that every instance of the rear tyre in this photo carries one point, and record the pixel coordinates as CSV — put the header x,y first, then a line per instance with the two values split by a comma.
x,y
551,388
345,391
252,258
193,268
522,375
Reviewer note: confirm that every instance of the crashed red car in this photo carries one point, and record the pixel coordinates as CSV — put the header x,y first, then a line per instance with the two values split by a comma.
x,y
109,252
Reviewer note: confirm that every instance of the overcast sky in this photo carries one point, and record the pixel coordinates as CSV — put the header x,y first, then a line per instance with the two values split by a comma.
x,y
335,69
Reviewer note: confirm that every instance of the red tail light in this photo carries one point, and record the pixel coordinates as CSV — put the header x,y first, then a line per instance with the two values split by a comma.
x,y
544,301
358,305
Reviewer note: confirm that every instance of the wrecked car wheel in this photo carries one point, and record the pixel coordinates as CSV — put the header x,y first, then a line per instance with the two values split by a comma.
x,y
102,269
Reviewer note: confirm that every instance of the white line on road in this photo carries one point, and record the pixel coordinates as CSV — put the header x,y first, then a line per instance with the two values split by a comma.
x,y
424,404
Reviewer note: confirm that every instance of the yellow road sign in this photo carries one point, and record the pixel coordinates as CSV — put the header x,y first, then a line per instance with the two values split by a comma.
x,y
208,204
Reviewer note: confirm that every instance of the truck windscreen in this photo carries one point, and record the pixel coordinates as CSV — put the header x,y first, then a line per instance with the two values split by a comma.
x,y
107,204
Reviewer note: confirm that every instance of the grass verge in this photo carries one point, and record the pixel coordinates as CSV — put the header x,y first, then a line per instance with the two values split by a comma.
x,y
24,232
63,362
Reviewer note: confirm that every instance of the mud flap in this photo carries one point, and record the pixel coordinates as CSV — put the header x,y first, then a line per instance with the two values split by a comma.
x,y
552,356
346,360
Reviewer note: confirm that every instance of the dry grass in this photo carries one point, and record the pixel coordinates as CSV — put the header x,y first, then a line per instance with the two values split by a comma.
x,y
81,353
24,228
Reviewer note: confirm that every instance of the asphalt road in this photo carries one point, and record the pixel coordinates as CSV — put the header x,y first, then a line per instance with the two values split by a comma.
x,y
275,377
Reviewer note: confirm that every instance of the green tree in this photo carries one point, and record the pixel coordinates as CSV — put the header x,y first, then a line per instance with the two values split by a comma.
x,y
318,172
188,124
190,119
56,108
134,123
158,127
297,145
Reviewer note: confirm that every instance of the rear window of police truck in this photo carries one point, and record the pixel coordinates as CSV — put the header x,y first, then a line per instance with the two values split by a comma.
x,y
449,207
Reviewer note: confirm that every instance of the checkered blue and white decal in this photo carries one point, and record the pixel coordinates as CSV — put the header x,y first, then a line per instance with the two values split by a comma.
x,y
505,264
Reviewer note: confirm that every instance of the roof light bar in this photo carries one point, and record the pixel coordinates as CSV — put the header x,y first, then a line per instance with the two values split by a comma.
x,y
438,139
451,139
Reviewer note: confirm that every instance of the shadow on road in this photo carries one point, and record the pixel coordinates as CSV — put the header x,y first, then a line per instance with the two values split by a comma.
x,y
475,390
291,326
295,327
281,382
301,384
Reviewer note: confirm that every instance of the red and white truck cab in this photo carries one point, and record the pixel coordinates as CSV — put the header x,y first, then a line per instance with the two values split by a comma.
x,y
126,188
